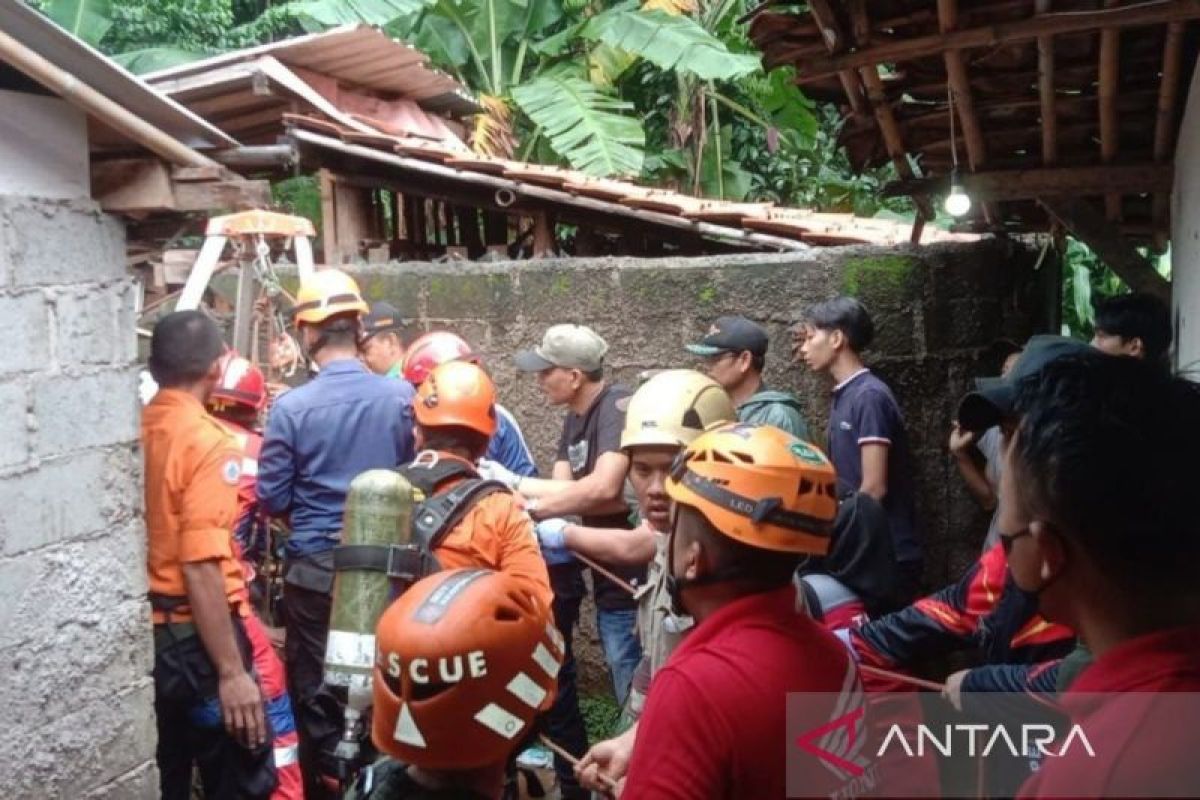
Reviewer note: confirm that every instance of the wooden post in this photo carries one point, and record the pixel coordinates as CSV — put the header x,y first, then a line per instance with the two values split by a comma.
x,y
1164,126
329,238
1046,95
543,235
1110,44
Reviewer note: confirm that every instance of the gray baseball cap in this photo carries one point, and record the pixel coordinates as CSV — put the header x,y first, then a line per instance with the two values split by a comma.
x,y
569,346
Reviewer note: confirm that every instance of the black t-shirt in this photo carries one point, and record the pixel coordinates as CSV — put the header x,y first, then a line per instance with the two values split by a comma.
x,y
585,438
390,781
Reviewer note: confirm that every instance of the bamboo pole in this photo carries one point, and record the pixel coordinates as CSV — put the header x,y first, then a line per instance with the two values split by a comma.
x,y
892,137
1110,52
963,101
1164,124
83,96
1046,94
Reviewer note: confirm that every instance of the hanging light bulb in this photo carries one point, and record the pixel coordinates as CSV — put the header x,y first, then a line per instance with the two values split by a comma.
x,y
958,202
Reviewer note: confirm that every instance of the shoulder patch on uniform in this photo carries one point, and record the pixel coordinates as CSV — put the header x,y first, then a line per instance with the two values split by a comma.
x,y
231,470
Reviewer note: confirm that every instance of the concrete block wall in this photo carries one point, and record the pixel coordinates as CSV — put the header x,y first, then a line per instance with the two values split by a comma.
x,y
936,310
75,646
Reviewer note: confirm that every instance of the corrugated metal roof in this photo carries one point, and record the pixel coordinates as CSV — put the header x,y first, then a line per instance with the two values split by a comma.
x,y
105,76
357,55
754,223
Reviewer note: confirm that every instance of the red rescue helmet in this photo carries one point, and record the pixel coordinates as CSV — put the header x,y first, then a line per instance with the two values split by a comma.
x,y
464,662
431,350
241,384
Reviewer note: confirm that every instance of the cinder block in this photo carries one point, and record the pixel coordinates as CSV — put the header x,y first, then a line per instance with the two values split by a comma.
x,y
62,242
27,333
97,583
95,325
78,412
14,432
69,497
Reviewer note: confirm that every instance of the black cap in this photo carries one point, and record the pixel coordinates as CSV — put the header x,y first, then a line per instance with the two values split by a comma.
x,y
732,335
382,317
993,398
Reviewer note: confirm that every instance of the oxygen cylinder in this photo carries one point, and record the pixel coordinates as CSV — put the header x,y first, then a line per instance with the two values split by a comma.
x,y
378,511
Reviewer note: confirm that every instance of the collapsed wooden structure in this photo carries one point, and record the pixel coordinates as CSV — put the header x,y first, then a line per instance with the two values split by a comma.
x,y
1065,112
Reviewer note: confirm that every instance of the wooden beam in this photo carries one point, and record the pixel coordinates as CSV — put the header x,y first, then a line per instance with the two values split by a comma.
x,y
1087,224
1164,125
1155,12
1026,184
1046,94
1110,52
835,41
963,100
329,238
892,137
239,195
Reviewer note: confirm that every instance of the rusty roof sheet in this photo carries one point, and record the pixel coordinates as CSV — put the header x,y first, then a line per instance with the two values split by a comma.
x,y
357,55
781,225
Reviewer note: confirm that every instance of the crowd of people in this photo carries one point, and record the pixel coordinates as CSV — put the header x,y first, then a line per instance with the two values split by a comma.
x,y
735,555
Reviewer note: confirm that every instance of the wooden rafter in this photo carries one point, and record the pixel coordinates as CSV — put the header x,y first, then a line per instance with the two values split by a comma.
x,y
835,42
1002,33
1025,184
1046,95
1164,124
1110,50
1088,224
962,99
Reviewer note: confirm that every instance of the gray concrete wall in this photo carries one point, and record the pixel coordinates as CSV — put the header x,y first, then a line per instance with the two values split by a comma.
x,y
1185,236
75,647
936,308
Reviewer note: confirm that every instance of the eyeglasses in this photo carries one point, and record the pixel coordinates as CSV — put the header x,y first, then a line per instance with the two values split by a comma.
x,y
1006,540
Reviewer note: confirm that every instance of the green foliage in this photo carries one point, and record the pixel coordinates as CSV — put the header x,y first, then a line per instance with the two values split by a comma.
x,y
600,716
87,19
669,42
1085,281
301,196
586,125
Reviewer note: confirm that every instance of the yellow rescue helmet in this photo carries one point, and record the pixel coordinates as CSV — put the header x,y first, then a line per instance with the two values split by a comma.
x,y
674,407
327,293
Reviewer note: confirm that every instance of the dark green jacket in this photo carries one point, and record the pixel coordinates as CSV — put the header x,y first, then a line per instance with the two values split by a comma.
x,y
781,409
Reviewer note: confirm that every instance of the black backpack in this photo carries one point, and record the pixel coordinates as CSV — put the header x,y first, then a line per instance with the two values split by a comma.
x,y
433,518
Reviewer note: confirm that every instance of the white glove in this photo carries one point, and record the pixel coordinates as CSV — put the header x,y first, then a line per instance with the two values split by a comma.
x,y
492,471
550,532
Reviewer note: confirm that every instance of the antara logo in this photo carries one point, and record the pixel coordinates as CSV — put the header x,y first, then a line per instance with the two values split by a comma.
x,y
1033,738
838,744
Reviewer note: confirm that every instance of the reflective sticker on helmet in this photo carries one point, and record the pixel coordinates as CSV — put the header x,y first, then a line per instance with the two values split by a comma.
x,y
497,719
434,607
806,453
407,731
525,690
555,636
231,471
546,661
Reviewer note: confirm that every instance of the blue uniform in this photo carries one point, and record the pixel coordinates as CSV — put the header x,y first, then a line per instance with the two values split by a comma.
x,y
320,436
508,447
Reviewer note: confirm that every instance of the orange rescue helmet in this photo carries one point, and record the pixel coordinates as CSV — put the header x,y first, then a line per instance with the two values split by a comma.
x,y
759,485
464,661
457,393
327,293
432,349
241,384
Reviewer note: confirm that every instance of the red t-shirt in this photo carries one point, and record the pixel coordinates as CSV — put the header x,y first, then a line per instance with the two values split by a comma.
x,y
1139,733
715,722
